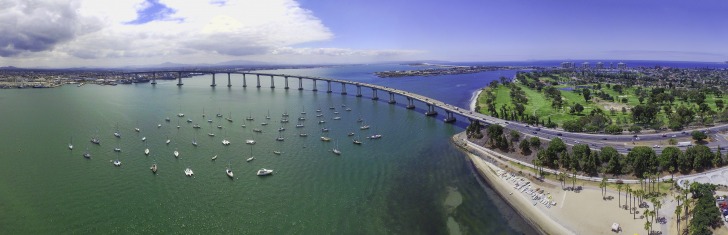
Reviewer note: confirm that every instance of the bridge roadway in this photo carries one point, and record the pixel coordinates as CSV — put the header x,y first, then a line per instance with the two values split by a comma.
x,y
622,143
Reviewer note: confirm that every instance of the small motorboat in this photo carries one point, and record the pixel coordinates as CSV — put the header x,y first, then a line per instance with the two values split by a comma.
x,y
225,142
153,168
276,152
167,142
117,149
250,159
117,163
166,119
356,141
299,125
146,151
210,134
350,134
188,172
364,127
179,115
264,171
137,129
95,141
229,173
117,135
214,157
189,120
377,136
303,135
324,129
144,138
258,130
176,153
324,138
87,155
250,141
337,118
159,125
263,123
219,127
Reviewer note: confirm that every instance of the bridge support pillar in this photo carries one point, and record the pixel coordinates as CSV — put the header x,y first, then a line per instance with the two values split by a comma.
x,y
272,84
449,118
374,94
154,78
431,110
229,85
286,77
314,85
213,81
300,84
358,91
179,79
328,84
245,84
258,77
343,88
410,103
391,98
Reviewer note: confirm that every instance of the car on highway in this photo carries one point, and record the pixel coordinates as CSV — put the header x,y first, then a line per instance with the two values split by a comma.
x,y
657,146
559,134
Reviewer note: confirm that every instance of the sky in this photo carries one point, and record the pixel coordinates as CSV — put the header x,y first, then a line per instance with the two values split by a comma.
x,y
114,33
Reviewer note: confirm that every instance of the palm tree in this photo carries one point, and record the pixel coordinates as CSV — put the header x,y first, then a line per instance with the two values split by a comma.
x,y
619,195
678,212
573,178
646,214
562,179
603,185
628,189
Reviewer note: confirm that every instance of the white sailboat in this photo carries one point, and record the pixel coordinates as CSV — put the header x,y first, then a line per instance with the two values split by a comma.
x,y
70,144
86,154
117,162
176,153
336,150
188,172
280,137
267,116
229,172
251,155
146,149
154,168
214,157
144,138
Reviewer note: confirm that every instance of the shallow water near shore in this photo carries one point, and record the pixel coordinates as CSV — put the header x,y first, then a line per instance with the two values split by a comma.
x,y
406,182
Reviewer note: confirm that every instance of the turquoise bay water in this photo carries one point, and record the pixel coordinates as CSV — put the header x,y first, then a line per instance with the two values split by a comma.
x,y
397,184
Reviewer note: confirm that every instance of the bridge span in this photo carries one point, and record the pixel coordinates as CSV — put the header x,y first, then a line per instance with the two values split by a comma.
x,y
432,104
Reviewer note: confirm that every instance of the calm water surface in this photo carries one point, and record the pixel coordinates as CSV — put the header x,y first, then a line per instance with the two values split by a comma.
x,y
412,181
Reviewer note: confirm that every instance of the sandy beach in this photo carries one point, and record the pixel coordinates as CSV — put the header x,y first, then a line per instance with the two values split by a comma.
x,y
584,212
474,99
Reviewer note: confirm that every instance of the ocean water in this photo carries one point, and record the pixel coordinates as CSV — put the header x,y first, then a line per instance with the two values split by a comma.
x,y
411,181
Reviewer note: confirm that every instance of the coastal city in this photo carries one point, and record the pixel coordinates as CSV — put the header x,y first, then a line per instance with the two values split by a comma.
x,y
363,117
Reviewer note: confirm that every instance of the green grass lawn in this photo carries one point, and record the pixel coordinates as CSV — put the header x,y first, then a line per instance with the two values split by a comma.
x,y
540,106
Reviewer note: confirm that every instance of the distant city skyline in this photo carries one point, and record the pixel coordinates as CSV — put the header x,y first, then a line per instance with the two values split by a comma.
x,y
91,33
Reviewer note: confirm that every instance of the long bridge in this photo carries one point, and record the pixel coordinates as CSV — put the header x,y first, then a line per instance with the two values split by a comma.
x,y
390,93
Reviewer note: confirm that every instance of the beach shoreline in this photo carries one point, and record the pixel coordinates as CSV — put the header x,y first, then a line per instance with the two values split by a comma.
x,y
532,215
474,99
565,212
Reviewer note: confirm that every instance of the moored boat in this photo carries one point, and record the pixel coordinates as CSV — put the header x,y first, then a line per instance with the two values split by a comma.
x,y
264,171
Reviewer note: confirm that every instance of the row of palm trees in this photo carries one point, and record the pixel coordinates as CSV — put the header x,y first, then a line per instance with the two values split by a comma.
x,y
638,196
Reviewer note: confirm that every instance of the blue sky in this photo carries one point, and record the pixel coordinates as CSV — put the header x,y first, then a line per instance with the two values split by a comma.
x,y
523,30
134,32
